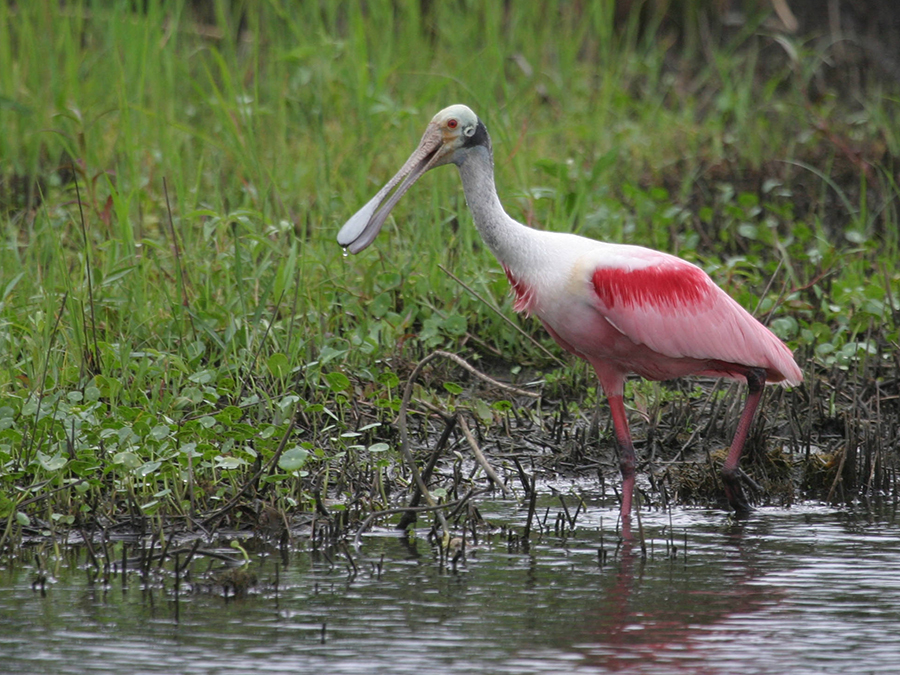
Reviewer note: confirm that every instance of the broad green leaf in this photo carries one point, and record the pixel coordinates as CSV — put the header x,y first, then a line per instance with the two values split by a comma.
x,y
483,410
337,382
127,459
54,463
147,468
293,459
456,324
279,365
229,462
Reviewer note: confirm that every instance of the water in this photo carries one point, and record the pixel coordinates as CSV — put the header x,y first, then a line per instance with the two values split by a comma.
x,y
805,590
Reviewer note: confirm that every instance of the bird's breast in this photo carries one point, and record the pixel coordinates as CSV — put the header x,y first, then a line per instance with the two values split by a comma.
x,y
561,299
524,292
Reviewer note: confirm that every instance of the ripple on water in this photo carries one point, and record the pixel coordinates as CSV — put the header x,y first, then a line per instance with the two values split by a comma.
x,y
805,590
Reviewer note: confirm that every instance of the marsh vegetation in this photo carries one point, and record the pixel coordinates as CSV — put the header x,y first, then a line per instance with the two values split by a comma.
x,y
184,347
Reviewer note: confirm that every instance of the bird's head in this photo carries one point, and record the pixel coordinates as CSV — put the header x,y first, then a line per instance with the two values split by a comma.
x,y
460,130
450,135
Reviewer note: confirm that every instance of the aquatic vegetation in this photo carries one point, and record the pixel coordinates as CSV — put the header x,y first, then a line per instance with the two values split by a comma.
x,y
181,340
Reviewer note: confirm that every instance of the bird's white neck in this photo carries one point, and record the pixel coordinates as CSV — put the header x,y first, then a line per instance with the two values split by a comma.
x,y
504,236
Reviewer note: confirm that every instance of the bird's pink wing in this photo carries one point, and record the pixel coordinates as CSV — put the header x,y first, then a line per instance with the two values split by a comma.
x,y
675,309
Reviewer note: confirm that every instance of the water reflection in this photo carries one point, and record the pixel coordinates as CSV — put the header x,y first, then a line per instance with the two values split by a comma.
x,y
805,590
652,619
781,596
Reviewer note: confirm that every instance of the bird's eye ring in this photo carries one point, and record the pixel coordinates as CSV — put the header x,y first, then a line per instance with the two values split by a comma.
x,y
452,124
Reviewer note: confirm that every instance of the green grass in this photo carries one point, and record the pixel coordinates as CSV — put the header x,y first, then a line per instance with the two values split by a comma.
x,y
156,337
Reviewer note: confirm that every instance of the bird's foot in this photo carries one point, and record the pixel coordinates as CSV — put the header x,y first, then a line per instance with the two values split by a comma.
x,y
734,491
749,481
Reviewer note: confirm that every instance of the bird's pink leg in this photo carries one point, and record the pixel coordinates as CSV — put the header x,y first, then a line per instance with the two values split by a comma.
x,y
731,472
627,459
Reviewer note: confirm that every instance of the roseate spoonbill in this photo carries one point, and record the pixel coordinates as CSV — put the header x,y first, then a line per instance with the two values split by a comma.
x,y
625,309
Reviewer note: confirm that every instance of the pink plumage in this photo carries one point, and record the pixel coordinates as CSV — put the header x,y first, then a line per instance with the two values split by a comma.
x,y
625,309
674,308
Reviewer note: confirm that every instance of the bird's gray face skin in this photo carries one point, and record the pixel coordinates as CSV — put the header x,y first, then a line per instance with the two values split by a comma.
x,y
446,134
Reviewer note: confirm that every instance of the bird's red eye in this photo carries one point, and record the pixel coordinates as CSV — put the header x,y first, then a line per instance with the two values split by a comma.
x,y
452,124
